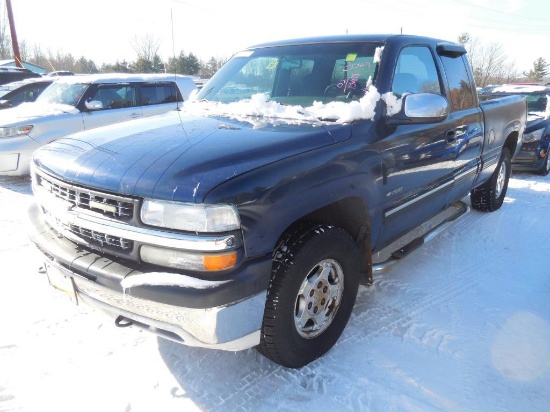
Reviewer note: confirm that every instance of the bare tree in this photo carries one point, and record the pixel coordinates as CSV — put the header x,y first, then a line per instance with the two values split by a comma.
x,y
146,47
489,62
5,39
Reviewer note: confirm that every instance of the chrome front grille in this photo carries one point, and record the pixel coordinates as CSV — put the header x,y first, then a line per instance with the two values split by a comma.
x,y
102,239
112,206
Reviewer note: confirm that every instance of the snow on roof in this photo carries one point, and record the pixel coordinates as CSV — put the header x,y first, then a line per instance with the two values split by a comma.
x,y
519,88
118,77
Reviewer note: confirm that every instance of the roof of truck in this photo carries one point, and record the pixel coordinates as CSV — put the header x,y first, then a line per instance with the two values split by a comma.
x,y
380,38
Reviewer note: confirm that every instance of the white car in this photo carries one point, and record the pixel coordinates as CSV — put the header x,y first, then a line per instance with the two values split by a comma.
x,y
75,103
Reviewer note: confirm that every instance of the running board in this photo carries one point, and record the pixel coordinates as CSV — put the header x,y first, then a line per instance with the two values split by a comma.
x,y
400,248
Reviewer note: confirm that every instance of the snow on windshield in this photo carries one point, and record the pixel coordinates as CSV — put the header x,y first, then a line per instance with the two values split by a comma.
x,y
259,105
251,90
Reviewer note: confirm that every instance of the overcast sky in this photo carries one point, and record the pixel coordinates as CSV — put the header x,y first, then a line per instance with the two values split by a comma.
x,y
102,30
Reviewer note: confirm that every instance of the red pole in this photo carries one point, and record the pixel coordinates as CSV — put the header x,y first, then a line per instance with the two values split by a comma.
x,y
15,45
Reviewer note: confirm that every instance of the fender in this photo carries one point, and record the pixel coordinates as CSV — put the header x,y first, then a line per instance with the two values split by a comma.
x,y
273,197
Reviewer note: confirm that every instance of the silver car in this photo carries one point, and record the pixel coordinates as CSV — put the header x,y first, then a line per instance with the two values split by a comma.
x,y
75,103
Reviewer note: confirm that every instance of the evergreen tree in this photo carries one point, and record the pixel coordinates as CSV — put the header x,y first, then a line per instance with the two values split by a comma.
x,y
539,70
118,67
192,65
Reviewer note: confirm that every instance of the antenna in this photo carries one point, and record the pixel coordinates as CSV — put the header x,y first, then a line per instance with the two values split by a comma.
x,y
173,46
174,57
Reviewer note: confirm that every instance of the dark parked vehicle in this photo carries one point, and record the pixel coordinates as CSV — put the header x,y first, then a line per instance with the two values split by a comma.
x,y
249,217
534,152
24,91
61,73
13,74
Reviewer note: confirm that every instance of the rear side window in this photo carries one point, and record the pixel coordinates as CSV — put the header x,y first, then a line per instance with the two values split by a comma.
x,y
159,94
460,86
415,72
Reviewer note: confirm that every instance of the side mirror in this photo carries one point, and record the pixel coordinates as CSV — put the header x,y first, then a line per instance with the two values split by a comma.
x,y
94,105
420,108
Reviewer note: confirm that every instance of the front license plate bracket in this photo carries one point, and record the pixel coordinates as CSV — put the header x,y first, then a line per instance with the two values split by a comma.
x,y
61,281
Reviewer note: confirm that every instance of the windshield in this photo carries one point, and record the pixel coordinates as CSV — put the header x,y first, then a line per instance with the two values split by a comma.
x,y
296,75
63,93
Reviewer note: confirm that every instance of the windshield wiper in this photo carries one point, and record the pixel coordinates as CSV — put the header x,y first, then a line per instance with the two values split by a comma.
x,y
208,92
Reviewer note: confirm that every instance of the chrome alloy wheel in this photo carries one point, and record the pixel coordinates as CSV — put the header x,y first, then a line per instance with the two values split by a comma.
x,y
501,180
318,298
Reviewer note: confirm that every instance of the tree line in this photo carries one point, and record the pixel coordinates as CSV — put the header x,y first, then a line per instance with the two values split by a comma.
x,y
490,63
492,66
147,58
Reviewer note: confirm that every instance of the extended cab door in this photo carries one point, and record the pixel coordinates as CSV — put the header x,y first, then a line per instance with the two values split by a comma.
x,y
418,160
464,134
118,104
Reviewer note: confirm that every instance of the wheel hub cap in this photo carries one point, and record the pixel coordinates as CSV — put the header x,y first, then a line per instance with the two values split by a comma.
x,y
318,299
501,179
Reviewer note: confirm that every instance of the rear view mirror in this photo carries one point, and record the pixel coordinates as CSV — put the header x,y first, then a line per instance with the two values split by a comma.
x,y
291,64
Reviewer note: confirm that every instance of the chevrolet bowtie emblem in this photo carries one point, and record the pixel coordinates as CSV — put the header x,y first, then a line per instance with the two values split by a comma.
x,y
103,206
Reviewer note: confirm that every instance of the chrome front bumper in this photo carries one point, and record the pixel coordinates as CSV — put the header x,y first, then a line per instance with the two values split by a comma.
x,y
232,326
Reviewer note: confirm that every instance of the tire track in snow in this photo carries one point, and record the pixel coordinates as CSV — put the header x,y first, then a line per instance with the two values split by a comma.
x,y
369,321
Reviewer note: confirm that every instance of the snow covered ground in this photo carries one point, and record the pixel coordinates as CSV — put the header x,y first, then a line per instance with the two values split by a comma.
x,y
462,324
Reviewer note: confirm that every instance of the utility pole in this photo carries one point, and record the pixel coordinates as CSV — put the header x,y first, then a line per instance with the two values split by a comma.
x,y
14,44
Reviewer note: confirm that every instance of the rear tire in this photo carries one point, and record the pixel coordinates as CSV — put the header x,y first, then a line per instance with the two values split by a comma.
x,y
312,292
490,195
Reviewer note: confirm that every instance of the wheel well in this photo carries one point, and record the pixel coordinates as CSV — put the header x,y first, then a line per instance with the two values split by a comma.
x,y
512,142
350,214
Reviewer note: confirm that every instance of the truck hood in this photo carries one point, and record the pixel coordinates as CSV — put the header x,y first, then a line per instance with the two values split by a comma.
x,y
536,121
26,112
176,156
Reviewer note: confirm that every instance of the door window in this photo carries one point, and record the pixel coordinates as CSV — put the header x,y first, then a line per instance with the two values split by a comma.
x,y
115,96
415,72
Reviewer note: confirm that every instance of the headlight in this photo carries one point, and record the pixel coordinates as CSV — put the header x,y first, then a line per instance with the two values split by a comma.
x,y
189,216
15,131
182,259
533,136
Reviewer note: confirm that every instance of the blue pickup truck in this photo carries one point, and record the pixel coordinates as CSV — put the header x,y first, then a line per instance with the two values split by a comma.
x,y
249,217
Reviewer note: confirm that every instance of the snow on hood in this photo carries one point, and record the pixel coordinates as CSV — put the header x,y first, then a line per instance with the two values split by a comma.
x,y
259,106
34,110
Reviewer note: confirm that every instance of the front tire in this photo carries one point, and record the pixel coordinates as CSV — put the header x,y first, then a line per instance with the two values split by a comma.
x,y
545,169
490,195
312,292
